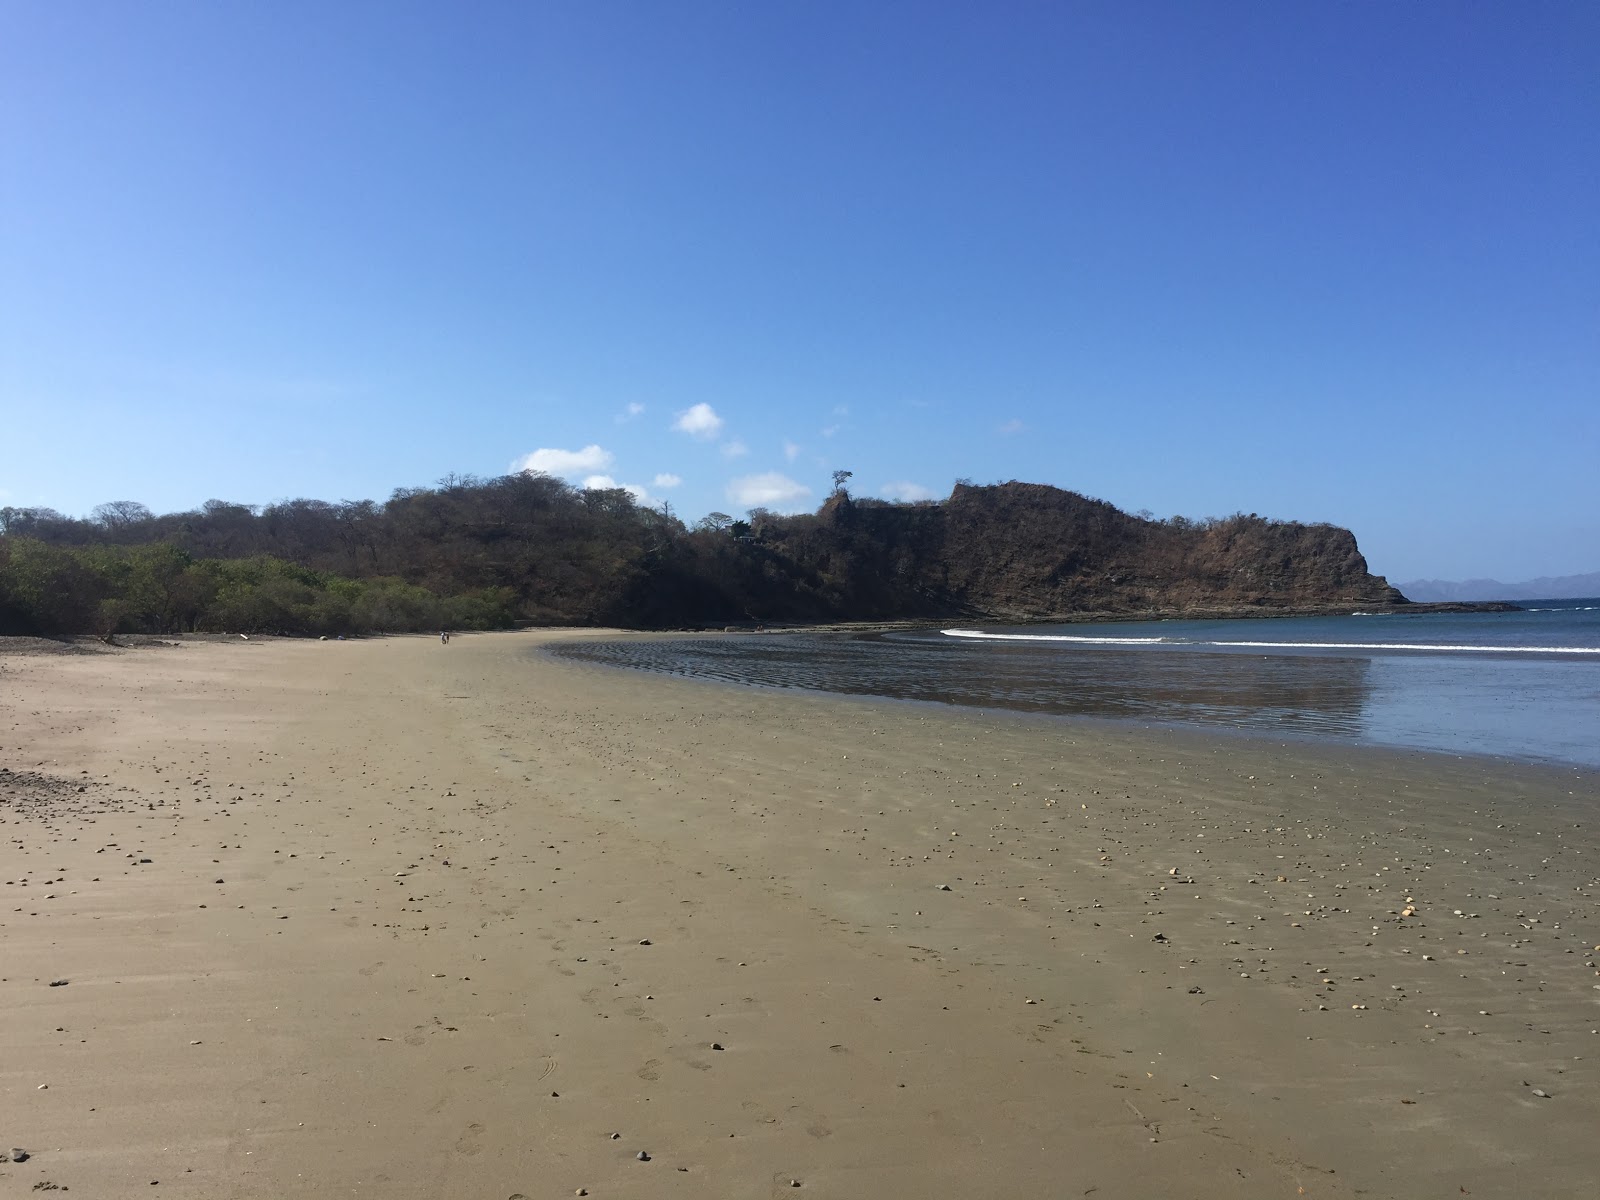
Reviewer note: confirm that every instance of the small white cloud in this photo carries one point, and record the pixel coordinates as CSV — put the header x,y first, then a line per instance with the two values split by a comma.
x,y
791,450
565,463
734,449
904,489
830,430
768,490
629,413
600,483
841,410
668,480
1012,426
701,421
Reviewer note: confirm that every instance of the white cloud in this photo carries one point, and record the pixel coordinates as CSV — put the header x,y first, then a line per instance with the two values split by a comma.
x,y
701,421
1012,426
668,480
734,449
904,489
629,413
767,490
598,483
565,463
791,450
841,410
831,430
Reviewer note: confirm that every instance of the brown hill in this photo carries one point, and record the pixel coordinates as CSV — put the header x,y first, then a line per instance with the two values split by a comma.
x,y
1013,551
1039,550
531,548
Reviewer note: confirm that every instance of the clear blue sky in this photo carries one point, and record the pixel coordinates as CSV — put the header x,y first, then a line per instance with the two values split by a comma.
x,y
1335,261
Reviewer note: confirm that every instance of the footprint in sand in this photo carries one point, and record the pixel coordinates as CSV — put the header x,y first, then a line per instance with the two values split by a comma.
x,y
651,1071
688,1055
467,1143
816,1124
759,1113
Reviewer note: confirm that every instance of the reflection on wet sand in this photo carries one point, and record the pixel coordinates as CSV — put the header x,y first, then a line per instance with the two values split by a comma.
x,y
1322,696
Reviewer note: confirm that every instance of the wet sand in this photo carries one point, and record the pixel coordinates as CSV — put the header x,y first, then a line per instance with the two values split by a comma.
x,y
398,919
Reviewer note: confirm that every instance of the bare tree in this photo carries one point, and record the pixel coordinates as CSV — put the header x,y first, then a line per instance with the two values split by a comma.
x,y
716,522
119,514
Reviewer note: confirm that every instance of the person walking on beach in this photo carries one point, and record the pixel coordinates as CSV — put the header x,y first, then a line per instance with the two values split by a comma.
x,y
444,637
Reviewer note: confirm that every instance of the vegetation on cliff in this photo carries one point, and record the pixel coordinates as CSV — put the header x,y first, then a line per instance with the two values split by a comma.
x,y
473,553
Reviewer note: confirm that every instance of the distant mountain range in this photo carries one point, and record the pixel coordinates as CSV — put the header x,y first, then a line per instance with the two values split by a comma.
x,y
1558,587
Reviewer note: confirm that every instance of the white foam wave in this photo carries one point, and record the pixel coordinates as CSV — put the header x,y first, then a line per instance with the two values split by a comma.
x,y
1156,641
1053,637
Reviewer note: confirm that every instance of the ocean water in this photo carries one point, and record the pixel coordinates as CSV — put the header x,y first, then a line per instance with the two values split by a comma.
x,y
1522,685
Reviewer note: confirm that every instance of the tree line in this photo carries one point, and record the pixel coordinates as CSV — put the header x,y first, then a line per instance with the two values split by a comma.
x,y
471,553
163,588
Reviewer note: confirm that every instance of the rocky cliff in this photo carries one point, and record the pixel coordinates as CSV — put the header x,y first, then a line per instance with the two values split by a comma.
x,y
1022,551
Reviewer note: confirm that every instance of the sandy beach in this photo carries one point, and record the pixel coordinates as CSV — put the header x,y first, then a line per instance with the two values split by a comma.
x,y
398,919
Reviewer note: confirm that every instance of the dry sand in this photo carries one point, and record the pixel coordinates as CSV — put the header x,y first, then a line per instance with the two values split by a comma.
x,y
397,919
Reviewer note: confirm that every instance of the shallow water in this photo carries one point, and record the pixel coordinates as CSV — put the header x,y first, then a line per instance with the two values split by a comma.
x,y
1513,685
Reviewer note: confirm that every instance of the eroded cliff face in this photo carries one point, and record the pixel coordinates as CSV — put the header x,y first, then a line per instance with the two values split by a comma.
x,y
1030,551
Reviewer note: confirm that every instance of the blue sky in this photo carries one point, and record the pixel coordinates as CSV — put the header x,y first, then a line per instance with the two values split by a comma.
x,y
1330,262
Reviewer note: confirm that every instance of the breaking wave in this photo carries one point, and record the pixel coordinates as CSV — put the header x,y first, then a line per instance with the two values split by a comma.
x,y
1428,647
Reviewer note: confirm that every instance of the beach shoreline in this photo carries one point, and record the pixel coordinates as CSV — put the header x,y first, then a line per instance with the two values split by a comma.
x,y
425,920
